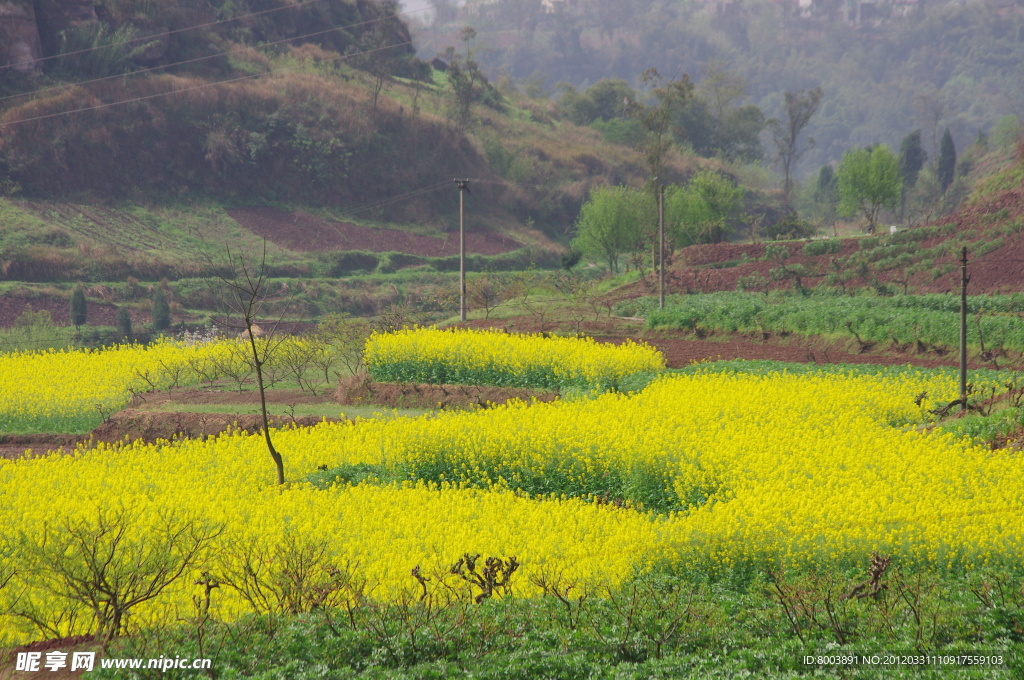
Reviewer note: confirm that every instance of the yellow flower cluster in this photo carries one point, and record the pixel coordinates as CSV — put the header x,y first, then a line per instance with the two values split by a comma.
x,y
492,357
797,468
65,390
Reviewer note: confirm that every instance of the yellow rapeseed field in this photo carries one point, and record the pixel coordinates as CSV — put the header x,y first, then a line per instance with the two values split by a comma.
x,y
493,357
764,468
72,389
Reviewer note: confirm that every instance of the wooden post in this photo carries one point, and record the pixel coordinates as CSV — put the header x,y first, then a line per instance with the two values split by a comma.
x,y
964,278
661,248
463,185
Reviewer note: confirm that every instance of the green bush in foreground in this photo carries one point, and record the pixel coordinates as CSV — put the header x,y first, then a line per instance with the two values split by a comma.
x,y
660,625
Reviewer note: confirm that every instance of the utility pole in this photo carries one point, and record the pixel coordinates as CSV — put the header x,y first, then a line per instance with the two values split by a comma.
x,y
964,278
463,185
661,247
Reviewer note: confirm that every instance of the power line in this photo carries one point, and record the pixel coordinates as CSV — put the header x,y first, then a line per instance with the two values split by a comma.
x,y
196,59
392,199
508,183
240,17
197,87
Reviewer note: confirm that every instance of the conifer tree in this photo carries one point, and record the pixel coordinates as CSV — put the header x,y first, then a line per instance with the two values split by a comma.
x,y
161,311
947,161
124,324
912,158
78,307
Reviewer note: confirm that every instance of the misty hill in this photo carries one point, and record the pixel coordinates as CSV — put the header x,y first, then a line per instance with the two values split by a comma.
x,y
886,68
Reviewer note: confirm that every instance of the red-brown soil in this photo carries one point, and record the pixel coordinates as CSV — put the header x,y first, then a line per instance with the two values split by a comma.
x,y
358,390
97,313
681,351
142,422
14,446
246,399
698,269
153,425
131,424
306,233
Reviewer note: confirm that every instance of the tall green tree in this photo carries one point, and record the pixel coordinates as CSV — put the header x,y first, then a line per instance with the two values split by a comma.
x,y
611,98
160,312
826,194
869,180
912,158
946,168
732,131
699,212
78,307
607,99
613,223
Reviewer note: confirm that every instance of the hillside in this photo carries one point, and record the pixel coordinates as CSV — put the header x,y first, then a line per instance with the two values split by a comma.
x,y
922,259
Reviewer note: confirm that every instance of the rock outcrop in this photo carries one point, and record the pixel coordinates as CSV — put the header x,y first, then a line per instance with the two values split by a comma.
x,y
56,16
20,49
30,31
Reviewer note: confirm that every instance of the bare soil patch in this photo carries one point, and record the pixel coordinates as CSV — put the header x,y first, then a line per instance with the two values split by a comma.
x,y
131,424
361,390
681,351
143,421
97,313
14,446
197,395
302,232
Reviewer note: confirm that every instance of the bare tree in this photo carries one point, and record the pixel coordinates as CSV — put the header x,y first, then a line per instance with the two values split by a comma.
x,y
721,88
466,81
246,289
109,564
656,118
800,107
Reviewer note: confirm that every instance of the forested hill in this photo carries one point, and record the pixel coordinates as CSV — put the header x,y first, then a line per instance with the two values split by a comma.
x,y
894,67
